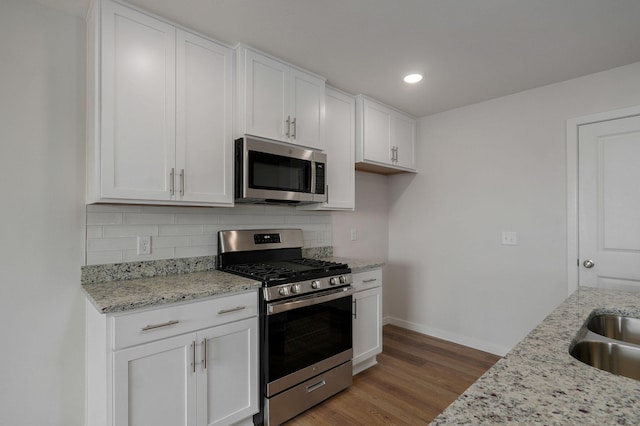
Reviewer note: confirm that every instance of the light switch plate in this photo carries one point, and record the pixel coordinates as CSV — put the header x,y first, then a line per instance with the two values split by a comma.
x,y
509,238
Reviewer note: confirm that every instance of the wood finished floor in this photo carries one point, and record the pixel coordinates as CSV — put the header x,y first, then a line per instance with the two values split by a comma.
x,y
416,378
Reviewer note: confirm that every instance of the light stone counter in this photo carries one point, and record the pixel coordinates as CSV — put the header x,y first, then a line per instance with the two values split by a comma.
x,y
357,265
118,296
538,381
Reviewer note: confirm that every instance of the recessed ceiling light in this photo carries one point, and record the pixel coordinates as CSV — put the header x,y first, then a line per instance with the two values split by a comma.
x,y
412,78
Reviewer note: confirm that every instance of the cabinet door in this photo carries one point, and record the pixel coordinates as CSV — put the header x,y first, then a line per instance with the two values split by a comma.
x,y
228,382
307,110
377,133
154,384
137,149
266,104
367,324
340,149
404,136
204,105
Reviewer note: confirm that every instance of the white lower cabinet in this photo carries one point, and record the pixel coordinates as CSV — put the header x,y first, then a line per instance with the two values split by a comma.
x,y
205,374
367,319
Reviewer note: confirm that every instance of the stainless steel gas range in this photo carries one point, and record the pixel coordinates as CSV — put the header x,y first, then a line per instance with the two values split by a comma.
x,y
305,319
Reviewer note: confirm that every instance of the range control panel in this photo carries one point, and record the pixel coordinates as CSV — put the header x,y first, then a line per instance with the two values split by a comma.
x,y
272,238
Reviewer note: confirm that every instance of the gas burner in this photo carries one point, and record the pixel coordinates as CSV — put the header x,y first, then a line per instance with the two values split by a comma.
x,y
263,271
317,264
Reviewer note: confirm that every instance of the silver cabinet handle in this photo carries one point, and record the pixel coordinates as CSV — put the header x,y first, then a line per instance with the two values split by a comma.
x,y
164,324
355,309
172,181
204,358
370,280
288,121
396,154
588,263
228,311
182,182
293,123
318,385
193,346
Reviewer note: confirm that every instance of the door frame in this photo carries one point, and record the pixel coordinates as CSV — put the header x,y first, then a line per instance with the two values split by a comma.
x,y
573,125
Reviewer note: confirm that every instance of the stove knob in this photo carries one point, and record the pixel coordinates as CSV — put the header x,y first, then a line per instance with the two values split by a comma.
x,y
333,281
283,291
343,279
315,284
295,288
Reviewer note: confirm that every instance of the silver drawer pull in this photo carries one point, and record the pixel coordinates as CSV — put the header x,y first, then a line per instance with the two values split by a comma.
x,y
164,324
316,386
370,280
228,311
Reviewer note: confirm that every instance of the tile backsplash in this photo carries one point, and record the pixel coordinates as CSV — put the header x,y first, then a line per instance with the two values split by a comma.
x,y
178,232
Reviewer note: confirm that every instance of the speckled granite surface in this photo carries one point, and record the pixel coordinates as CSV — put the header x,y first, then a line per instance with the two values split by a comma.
x,y
357,265
118,296
539,382
92,274
126,286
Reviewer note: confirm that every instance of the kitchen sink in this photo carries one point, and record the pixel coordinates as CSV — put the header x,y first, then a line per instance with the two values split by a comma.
x,y
611,343
616,327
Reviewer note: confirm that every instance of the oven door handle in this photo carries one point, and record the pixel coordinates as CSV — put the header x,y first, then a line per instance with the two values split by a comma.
x,y
287,305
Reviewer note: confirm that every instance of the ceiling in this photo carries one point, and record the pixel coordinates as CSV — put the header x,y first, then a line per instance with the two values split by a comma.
x,y
468,50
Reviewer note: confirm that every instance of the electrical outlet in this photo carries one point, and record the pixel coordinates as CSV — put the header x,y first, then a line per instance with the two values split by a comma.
x,y
509,238
144,245
354,234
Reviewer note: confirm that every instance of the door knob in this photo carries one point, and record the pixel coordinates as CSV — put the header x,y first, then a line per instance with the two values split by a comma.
x,y
588,263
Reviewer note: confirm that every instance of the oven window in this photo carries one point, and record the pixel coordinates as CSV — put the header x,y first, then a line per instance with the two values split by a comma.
x,y
275,172
305,336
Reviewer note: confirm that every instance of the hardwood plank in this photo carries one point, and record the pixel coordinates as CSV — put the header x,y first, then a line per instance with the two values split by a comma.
x,y
417,376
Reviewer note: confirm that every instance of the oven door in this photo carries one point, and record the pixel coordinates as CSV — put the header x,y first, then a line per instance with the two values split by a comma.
x,y
306,336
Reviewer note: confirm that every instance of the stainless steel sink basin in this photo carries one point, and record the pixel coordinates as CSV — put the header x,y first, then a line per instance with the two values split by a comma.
x,y
611,343
616,327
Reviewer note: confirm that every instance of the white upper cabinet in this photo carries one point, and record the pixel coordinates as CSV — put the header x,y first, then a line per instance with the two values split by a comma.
x,y
385,138
159,120
340,134
278,101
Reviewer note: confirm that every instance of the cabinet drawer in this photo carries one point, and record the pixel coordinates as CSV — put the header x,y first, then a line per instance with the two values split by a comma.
x,y
367,279
136,328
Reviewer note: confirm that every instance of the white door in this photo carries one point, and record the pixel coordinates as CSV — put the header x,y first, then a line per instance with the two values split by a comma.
x,y
404,136
377,132
154,384
266,97
367,326
609,203
228,373
138,105
203,126
307,110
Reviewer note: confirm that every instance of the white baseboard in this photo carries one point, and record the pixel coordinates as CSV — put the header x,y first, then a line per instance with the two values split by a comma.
x,y
446,335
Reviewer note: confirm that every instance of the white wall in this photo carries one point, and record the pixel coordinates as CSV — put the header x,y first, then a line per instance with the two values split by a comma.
x,y
42,216
371,222
490,167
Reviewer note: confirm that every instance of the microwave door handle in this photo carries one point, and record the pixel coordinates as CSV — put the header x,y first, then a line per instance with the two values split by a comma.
x,y
312,190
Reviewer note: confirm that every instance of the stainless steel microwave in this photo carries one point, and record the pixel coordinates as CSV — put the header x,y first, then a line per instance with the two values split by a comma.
x,y
270,172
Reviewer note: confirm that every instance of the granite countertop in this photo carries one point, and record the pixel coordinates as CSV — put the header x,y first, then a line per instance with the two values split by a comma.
x,y
538,381
124,295
126,286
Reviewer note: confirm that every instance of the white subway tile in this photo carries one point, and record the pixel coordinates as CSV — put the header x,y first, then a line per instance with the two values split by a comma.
x,y
109,244
94,231
197,219
214,229
148,219
157,254
174,230
104,257
129,230
251,220
204,240
165,242
114,218
196,251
